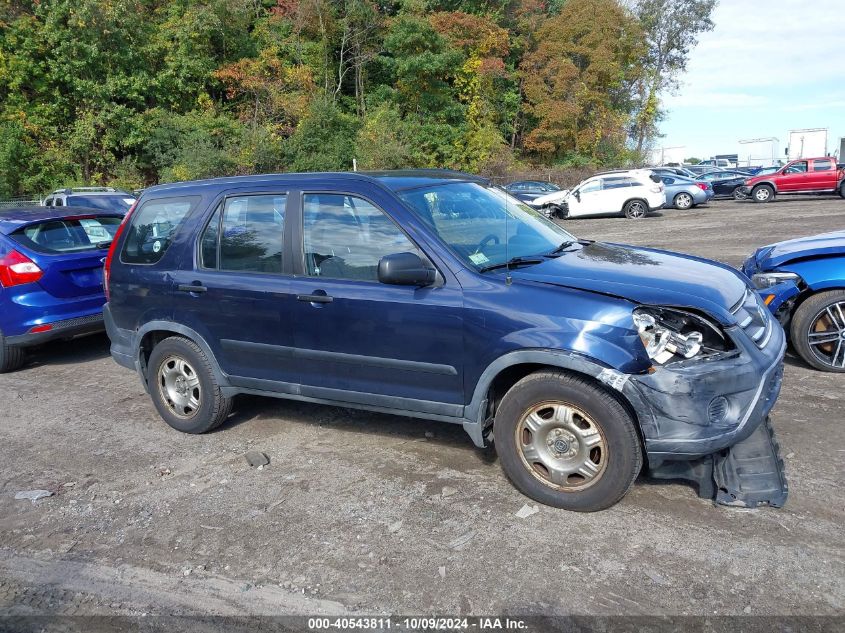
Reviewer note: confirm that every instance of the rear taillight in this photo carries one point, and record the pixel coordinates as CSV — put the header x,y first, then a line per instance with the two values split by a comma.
x,y
113,247
703,186
17,269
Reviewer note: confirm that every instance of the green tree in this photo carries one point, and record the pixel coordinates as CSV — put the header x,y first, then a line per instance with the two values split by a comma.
x,y
671,28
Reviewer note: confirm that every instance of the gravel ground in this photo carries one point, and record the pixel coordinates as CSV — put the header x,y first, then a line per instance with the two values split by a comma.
x,y
367,513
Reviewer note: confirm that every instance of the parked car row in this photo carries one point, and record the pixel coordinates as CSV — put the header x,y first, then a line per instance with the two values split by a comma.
x,y
582,367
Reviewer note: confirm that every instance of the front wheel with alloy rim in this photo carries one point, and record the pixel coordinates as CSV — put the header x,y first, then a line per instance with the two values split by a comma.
x,y
635,209
762,193
738,194
567,442
683,201
183,387
818,331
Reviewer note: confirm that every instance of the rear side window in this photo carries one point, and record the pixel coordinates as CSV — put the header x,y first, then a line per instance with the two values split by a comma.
x,y
66,235
822,165
153,227
249,235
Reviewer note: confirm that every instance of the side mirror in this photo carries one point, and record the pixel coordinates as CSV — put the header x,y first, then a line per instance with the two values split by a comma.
x,y
405,269
577,195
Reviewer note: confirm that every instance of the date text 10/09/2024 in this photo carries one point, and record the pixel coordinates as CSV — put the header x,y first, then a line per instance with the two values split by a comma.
x,y
417,624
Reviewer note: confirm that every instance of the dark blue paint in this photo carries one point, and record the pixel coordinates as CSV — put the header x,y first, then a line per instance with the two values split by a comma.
x,y
375,346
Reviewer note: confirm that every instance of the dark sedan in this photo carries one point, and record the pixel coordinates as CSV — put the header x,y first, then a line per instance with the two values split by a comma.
x,y
528,190
726,183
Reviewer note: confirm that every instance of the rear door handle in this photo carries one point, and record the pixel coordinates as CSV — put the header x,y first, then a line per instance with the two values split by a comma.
x,y
315,298
191,288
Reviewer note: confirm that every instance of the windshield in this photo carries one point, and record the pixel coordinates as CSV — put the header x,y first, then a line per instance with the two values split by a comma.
x,y
106,203
473,219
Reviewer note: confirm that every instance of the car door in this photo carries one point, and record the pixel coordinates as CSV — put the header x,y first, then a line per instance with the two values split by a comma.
x,y
823,174
358,340
236,293
587,199
793,178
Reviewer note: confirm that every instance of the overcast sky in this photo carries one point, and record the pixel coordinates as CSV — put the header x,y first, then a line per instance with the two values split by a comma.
x,y
768,67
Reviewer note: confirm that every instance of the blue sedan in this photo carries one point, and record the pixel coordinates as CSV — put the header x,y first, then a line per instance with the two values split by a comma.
x,y
802,281
685,193
51,275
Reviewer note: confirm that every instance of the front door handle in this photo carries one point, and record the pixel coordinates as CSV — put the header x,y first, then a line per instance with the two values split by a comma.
x,y
315,298
191,288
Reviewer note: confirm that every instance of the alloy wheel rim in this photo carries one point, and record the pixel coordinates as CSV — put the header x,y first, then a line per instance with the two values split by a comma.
x,y
826,335
179,387
684,200
561,446
762,194
637,210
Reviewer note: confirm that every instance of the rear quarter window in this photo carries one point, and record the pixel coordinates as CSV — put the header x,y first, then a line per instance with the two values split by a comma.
x,y
153,227
68,235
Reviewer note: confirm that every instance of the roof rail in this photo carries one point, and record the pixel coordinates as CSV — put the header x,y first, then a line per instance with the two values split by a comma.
x,y
69,190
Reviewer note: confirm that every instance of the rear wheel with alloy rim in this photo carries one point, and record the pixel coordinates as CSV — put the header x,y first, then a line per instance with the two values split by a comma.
x,y
818,331
635,209
683,201
762,193
567,442
183,387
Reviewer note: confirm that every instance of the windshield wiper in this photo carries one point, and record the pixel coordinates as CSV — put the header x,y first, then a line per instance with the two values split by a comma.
x,y
512,263
563,246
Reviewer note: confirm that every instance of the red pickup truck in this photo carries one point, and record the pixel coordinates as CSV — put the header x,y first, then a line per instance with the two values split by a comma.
x,y
805,175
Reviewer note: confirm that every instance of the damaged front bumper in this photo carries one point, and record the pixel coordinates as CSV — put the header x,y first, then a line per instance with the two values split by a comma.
x,y
706,421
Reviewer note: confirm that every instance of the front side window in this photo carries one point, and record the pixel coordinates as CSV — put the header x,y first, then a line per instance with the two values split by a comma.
x,y
66,235
484,226
345,237
590,187
822,165
153,227
248,237
797,168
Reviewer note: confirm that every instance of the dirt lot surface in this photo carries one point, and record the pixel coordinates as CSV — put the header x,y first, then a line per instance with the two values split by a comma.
x,y
366,513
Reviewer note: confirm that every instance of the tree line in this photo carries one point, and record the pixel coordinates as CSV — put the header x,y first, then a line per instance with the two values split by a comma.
x,y
134,92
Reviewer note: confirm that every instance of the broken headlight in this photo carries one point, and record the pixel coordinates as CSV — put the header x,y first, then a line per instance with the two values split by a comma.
x,y
670,335
767,280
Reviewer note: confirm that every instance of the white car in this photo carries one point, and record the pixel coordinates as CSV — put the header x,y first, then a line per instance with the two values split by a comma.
x,y
632,193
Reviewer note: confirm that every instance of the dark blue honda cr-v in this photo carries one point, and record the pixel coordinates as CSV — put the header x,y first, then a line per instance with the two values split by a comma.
x,y
433,294
51,275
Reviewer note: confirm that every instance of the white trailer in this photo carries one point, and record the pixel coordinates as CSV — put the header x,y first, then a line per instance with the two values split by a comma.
x,y
808,143
758,152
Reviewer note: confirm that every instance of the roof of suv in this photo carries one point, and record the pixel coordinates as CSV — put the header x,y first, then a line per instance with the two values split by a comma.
x,y
397,180
16,217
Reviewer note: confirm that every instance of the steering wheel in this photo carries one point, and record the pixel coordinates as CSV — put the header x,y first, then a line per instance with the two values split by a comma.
x,y
483,243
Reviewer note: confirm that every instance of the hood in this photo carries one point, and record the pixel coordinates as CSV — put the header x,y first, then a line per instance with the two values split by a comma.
x,y
645,276
781,253
552,198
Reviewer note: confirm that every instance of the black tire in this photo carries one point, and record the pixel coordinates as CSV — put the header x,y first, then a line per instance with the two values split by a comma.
x,y
11,357
683,201
842,190
737,194
763,193
622,457
809,318
635,209
213,407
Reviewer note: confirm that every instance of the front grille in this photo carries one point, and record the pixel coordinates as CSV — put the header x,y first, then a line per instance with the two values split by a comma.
x,y
753,318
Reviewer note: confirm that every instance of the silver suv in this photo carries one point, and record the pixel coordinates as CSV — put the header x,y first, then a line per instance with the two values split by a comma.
x,y
105,198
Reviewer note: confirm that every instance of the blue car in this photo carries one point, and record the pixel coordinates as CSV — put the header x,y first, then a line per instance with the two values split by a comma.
x,y
685,193
436,295
802,281
51,276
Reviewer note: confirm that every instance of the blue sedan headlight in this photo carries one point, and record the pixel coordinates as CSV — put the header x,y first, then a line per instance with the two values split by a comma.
x,y
767,280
